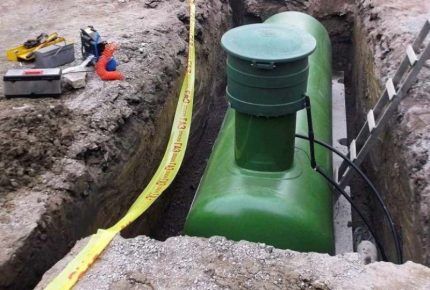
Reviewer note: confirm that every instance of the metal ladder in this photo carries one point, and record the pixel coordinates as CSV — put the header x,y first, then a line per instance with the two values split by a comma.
x,y
395,89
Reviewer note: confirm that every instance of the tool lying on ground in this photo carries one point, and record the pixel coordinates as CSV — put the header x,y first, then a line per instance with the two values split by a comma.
x,y
79,68
32,82
55,55
25,51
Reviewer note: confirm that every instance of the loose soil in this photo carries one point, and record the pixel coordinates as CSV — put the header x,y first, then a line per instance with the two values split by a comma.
x,y
216,263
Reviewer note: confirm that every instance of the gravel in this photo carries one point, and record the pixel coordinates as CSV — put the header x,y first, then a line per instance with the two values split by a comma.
x,y
216,263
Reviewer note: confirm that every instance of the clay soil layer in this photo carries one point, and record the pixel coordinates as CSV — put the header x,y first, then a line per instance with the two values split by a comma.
x,y
74,164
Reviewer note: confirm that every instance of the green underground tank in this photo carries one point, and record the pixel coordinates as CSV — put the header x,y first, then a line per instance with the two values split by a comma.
x,y
258,184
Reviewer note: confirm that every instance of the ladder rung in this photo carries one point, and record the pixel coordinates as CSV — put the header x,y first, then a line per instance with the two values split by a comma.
x,y
353,150
390,89
411,55
371,121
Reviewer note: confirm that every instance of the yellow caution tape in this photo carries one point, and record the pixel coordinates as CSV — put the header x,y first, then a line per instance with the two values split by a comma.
x,y
162,178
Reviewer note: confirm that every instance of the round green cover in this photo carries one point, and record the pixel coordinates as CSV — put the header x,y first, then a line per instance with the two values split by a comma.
x,y
268,43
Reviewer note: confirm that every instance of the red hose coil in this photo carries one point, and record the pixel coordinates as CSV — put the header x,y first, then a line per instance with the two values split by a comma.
x,y
102,62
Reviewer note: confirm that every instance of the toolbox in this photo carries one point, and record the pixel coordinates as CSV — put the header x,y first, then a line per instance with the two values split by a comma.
x,y
55,55
32,82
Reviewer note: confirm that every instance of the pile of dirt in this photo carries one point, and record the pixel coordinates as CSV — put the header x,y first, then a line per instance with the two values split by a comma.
x,y
75,164
216,263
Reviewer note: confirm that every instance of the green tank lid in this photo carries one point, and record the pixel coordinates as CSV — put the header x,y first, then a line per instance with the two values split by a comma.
x,y
267,68
268,43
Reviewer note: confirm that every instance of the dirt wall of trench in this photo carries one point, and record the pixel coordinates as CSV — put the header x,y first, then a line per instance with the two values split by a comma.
x,y
399,163
75,164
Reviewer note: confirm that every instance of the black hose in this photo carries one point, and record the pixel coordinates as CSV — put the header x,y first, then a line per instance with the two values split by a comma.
x,y
312,140
348,198
310,132
387,213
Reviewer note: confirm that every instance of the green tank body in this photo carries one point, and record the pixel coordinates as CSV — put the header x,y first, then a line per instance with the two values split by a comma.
x,y
258,184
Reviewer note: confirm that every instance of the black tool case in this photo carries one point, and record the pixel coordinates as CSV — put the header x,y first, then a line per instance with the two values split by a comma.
x,y
32,82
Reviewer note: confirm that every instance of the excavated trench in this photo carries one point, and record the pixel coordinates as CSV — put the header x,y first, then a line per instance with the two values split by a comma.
x,y
348,25
183,189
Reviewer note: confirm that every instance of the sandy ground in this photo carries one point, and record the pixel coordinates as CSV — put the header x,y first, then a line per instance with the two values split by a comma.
x,y
74,164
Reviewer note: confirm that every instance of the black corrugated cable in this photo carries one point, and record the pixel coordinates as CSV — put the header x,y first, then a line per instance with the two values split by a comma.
x,y
348,198
394,233
312,140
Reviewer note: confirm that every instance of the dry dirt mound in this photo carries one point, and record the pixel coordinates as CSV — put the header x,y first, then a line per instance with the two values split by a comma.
x,y
216,263
31,139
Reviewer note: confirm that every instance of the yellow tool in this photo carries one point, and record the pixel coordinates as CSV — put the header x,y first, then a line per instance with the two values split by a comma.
x,y
26,51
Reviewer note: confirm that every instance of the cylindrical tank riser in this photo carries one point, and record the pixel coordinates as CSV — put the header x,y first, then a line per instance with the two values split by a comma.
x,y
267,74
273,91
